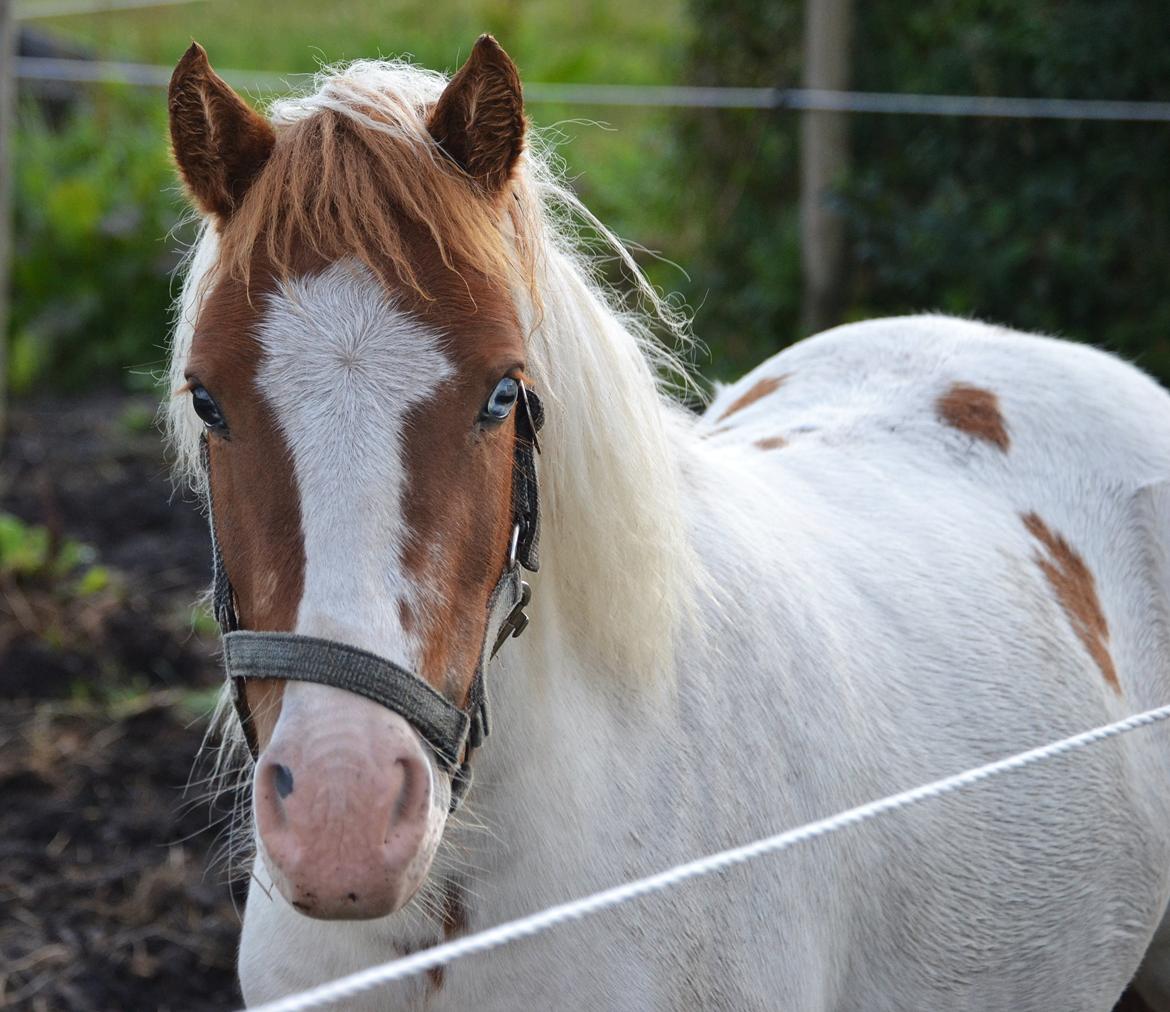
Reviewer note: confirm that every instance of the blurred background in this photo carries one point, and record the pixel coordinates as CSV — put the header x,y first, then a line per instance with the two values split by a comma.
x,y
786,218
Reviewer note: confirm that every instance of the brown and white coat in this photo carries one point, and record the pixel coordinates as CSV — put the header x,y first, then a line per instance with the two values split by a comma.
x,y
893,551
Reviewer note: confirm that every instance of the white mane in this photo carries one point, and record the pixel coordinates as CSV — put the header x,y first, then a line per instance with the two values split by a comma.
x,y
618,574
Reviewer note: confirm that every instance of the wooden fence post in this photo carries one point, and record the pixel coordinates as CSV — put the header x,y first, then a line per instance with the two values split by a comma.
x,y
824,153
7,128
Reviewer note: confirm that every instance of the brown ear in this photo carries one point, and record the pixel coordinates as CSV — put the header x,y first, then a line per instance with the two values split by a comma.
x,y
479,118
220,142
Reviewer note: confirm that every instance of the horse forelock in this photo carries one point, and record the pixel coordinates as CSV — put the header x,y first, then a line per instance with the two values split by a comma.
x,y
350,165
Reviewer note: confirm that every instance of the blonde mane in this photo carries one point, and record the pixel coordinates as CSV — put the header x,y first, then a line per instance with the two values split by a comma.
x,y
619,576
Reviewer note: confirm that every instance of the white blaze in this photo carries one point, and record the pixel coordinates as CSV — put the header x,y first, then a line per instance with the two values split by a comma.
x,y
343,366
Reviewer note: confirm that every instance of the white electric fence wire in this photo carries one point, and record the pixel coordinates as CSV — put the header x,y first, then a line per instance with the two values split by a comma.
x,y
524,927
665,96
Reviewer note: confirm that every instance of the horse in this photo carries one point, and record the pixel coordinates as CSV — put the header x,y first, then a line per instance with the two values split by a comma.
x,y
893,551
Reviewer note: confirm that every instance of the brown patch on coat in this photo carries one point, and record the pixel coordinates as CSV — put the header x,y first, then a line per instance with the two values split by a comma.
x,y
454,924
458,502
771,443
1076,590
264,697
256,501
219,142
406,616
760,390
975,411
253,487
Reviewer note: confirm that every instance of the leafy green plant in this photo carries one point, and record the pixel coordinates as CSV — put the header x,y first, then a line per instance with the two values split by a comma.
x,y
31,555
94,201
56,605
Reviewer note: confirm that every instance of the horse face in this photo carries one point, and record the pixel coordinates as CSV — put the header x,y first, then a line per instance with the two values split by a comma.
x,y
360,426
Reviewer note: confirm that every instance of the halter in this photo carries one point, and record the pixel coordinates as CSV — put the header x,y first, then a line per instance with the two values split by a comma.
x,y
452,733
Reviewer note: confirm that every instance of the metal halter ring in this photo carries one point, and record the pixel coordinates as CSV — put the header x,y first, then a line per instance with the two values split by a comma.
x,y
513,545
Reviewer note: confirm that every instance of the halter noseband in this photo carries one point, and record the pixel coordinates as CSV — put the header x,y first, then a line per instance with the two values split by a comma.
x,y
452,733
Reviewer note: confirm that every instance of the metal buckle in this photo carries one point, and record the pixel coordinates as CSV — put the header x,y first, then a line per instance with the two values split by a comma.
x,y
516,621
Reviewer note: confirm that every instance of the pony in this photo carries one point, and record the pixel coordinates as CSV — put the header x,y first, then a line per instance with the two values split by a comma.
x,y
893,551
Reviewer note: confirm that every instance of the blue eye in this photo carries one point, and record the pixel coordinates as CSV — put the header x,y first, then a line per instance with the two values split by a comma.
x,y
502,400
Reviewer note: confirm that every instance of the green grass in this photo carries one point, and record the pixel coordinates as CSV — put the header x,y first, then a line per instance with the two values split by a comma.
x,y
589,40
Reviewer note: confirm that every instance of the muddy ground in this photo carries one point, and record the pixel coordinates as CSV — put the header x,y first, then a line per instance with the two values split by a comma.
x,y
110,895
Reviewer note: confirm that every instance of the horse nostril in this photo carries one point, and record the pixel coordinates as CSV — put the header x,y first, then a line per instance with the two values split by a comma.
x,y
282,780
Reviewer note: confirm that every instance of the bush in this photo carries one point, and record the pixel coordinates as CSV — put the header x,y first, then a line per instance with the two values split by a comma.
x,y
741,172
1056,226
94,202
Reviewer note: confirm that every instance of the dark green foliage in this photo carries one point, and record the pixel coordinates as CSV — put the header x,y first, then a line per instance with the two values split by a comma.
x,y
741,185
93,204
1063,227
1056,226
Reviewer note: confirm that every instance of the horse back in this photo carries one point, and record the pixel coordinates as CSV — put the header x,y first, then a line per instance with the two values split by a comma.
x,y
970,528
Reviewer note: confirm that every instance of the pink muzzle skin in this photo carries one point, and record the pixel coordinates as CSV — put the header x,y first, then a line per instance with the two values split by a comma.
x,y
345,805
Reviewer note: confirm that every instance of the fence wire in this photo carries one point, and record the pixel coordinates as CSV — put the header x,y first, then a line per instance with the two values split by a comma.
x,y
575,910
46,69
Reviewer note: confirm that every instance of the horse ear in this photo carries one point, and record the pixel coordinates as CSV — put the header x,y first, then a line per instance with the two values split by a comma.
x,y
479,119
220,143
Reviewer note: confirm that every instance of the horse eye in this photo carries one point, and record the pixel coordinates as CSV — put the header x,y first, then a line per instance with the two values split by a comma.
x,y
206,408
502,400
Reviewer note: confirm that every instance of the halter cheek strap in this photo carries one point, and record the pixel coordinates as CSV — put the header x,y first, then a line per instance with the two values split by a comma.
x,y
452,733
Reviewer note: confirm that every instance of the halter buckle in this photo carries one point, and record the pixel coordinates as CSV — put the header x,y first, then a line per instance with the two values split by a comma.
x,y
516,621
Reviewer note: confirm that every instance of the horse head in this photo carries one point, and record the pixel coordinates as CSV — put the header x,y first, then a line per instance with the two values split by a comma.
x,y
358,367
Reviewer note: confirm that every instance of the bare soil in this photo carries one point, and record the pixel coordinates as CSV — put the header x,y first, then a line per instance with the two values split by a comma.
x,y
104,882
108,895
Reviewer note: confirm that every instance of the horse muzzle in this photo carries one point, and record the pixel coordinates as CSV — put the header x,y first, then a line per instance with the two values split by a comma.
x,y
452,733
366,760
348,807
